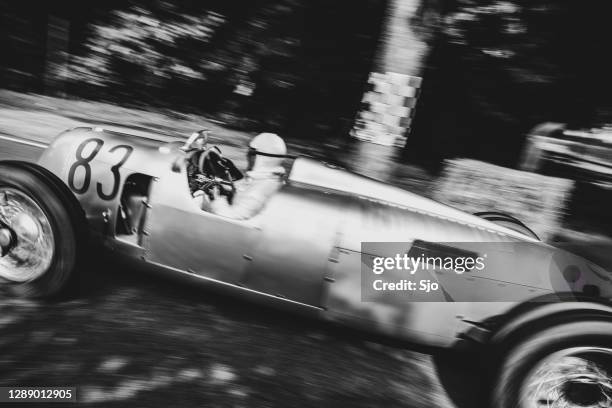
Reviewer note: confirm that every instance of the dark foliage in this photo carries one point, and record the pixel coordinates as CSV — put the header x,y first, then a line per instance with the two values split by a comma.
x,y
293,66
498,68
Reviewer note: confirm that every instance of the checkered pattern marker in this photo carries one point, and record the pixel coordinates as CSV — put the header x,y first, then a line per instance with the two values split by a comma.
x,y
388,108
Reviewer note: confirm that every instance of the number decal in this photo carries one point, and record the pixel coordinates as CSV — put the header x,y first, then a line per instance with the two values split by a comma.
x,y
84,162
116,174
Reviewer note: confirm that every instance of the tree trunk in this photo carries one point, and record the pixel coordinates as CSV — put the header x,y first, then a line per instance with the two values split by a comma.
x,y
390,100
57,55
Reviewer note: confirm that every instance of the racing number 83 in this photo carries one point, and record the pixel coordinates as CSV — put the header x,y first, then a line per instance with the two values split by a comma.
x,y
84,162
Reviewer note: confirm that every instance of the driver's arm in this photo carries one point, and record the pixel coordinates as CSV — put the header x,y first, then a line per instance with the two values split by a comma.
x,y
247,202
202,200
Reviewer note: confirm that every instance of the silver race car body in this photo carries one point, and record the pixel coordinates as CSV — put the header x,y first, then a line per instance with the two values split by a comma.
x,y
303,251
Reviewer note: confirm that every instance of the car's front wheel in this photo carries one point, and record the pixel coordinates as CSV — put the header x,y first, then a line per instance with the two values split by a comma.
x,y
42,233
567,365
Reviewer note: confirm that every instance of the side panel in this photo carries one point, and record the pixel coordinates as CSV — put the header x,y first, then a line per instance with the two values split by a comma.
x,y
432,318
184,237
433,323
290,259
94,164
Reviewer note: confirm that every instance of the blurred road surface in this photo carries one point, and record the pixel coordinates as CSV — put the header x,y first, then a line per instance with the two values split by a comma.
x,y
138,341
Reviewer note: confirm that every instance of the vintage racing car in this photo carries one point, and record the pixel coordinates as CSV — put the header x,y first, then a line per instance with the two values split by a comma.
x,y
533,314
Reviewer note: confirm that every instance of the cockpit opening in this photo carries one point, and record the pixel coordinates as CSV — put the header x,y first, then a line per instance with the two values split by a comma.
x,y
131,214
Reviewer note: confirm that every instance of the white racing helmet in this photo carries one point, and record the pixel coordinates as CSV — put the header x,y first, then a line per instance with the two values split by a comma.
x,y
270,151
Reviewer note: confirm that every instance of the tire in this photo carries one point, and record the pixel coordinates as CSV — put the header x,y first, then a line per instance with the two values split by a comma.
x,y
566,354
33,194
508,221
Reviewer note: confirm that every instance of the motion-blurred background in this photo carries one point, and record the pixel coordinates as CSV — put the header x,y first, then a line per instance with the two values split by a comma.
x,y
486,76
491,72
493,69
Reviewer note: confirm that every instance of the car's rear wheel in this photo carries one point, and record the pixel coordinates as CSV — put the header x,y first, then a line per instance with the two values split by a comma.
x,y
567,365
42,233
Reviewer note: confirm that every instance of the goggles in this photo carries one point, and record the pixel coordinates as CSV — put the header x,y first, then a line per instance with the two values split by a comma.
x,y
253,152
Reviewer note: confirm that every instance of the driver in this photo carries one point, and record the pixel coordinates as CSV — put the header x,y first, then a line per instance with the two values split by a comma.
x,y
265,175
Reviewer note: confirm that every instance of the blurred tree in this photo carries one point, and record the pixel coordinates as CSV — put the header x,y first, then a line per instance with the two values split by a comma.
x,y
282,65
22,36
139,52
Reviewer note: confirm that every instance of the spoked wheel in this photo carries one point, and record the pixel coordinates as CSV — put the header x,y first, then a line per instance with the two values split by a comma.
x,y
566,366
575,377
29,238
42,232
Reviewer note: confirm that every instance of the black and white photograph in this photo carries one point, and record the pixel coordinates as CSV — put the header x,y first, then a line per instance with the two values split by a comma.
x,y
306,203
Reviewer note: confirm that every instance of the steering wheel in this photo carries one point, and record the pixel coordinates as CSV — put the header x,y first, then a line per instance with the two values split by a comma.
x,y
216,170
226,188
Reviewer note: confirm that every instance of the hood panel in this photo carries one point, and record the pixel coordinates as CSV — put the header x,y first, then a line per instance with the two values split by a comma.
x,y
312,173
